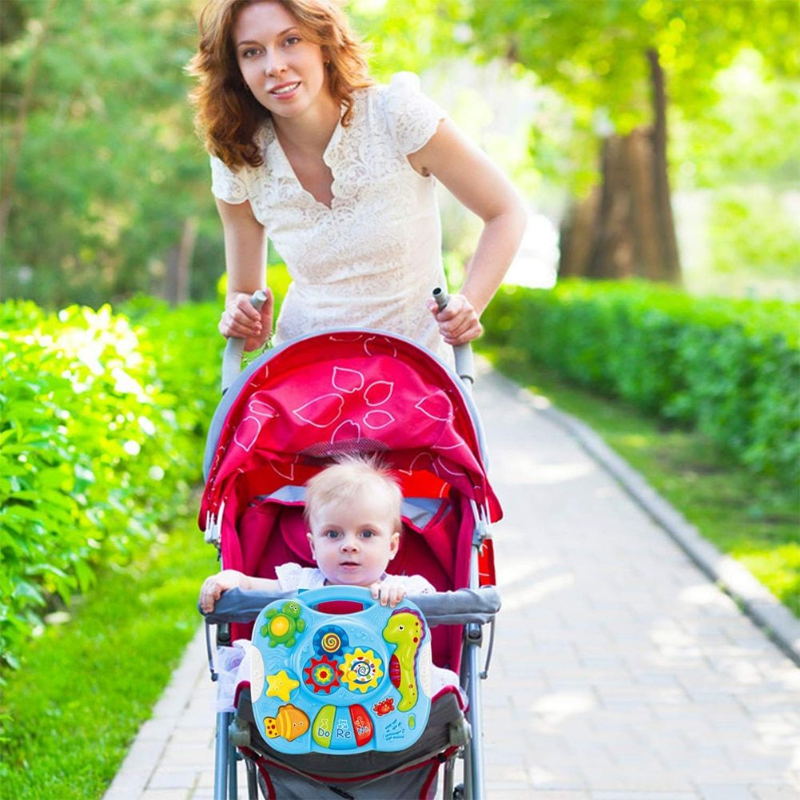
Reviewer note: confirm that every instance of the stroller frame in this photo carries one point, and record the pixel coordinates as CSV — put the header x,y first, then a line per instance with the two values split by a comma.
x,y
233,736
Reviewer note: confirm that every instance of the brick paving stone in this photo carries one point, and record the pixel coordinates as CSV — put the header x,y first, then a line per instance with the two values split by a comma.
x,y
773,792
725,792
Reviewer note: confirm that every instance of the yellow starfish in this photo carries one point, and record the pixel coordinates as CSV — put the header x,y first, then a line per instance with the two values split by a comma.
x,y
281,685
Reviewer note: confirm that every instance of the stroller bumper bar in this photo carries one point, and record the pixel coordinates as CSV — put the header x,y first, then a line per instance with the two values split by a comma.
x,y
461,607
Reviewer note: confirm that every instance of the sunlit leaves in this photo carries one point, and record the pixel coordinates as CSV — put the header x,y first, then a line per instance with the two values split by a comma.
x,y
101,428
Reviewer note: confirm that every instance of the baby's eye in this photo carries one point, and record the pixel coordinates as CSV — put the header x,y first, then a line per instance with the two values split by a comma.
x,y
368,534
331,534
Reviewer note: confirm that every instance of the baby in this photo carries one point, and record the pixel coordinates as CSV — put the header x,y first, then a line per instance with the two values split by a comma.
x,y
353,516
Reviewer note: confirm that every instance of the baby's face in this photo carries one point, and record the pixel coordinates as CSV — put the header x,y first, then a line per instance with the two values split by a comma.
x,y
353,542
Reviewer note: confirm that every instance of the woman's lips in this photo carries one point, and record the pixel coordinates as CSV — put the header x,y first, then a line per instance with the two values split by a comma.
x,y
285,90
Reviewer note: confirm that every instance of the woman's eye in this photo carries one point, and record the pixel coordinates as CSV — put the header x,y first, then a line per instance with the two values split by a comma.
x,y
250,52
292,40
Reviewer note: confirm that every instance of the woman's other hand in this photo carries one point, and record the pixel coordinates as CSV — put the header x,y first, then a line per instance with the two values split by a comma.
x,y
240,320
458,321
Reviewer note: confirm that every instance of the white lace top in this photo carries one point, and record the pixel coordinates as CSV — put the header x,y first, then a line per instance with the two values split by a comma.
x,y
372,259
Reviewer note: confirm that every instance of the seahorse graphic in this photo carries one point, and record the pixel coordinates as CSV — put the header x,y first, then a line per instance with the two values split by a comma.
x,y
405,629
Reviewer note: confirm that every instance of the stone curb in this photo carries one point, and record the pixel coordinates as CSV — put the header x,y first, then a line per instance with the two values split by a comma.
x,y
761,605
153,736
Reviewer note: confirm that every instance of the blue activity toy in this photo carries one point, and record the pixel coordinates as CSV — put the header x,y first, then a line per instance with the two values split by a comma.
x,y
342,683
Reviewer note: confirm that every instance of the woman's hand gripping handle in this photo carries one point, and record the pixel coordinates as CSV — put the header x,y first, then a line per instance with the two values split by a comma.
x,y
232,359
465,368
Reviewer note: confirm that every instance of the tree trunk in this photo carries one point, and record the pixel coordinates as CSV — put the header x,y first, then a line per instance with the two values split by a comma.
x,y
626,228
179,265
670,263
576,236
21,122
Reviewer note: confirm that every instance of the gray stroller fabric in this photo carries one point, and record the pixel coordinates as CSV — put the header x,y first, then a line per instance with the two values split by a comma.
x,y
355,775
288,786
442,608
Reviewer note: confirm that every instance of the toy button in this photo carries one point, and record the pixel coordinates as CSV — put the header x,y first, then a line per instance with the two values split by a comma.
x,y
362,725
343,737
323,726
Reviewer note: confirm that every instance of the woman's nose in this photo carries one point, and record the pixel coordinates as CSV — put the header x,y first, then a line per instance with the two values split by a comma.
x,y
274,63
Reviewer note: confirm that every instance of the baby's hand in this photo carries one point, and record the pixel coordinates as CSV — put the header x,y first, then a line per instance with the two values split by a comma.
x,y
215,585
388,591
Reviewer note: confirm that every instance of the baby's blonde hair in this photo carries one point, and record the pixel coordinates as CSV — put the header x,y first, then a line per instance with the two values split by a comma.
x,y
348,477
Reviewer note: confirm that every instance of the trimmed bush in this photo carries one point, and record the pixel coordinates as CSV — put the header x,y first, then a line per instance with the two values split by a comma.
x,y
729,368
102,426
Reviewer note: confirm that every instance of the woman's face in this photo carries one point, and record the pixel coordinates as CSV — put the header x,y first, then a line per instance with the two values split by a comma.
x,y
283,70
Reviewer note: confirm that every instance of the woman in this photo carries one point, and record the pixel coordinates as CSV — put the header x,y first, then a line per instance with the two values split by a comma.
x,y
340,173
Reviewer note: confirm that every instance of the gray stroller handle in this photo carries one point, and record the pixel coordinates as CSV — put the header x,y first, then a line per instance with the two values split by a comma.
x,y
234,348
465,367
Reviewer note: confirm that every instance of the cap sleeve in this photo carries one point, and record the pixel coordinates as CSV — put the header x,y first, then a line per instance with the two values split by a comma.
x,y
412,117
226,184
288,576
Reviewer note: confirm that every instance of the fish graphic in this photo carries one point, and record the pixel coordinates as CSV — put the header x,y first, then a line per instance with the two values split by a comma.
x,y
289,723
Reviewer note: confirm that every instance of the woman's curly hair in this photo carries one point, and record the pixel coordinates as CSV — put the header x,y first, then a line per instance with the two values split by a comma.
x,y
227,115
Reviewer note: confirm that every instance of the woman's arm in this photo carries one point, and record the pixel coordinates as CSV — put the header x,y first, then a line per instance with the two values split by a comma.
x,y
245,262
481,187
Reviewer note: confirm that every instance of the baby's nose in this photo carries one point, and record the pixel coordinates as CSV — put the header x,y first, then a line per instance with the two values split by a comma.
x,y
349,543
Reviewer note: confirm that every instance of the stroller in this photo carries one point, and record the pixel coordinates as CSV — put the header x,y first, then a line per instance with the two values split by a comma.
x,y
293,410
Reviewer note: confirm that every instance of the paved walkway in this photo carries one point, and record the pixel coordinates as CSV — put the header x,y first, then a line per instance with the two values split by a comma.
x,y
620,673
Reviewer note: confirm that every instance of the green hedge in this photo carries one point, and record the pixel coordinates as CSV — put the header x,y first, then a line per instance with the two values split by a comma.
x,y
102,426
729,368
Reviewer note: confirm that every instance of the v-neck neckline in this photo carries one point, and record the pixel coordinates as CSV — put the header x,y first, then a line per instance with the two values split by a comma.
x,y
329,148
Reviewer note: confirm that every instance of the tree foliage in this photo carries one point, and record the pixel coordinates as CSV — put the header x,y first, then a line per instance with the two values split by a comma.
x,y
107,168
593,53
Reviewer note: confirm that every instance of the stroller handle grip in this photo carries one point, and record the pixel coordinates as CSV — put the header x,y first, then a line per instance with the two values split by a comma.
x,y
465,367
234,348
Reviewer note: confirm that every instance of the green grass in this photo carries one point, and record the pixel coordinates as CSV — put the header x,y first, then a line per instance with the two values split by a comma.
x,y
751,520
84,688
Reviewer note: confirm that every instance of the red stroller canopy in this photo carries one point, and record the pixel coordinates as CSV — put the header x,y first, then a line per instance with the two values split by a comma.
x,y
346,391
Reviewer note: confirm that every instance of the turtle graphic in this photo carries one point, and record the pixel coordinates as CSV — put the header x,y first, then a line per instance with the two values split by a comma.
x,y
282,625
